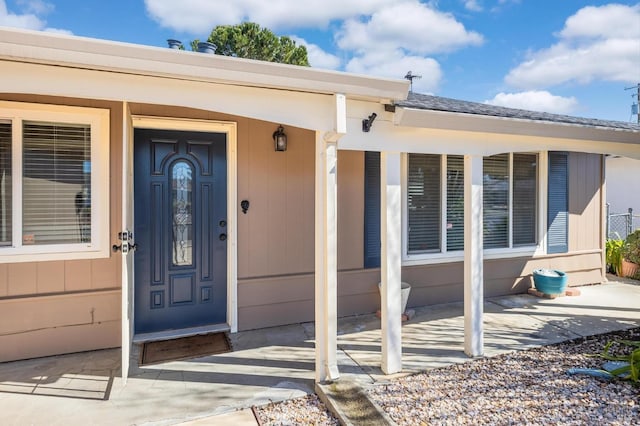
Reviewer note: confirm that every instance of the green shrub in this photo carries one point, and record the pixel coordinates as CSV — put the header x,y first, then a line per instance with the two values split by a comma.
x,y
630,363
631,247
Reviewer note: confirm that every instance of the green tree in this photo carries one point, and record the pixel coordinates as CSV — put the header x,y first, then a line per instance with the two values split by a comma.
x,y
249,40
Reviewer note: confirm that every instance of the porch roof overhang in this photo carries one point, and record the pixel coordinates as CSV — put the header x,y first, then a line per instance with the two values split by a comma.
x,y
101,55
479,122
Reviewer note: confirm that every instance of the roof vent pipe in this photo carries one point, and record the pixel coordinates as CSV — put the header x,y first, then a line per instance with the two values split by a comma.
x,y
206,47
174,44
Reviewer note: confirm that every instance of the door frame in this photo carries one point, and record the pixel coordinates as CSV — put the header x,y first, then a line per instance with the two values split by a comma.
x,y
230,129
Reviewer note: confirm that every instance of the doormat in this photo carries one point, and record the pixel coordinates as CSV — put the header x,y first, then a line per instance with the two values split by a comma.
x,y
185,348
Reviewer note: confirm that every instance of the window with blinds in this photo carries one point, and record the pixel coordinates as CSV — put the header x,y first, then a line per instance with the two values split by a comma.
x,y
56,200
525,189
558,203
510,202
6,222
496,201
455,202
423,203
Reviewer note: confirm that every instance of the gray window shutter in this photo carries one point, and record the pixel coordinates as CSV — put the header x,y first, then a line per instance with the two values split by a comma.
x,y
558,203
371,209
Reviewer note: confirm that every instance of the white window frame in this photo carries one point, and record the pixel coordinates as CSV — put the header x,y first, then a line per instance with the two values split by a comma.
x,y
497,253
98,119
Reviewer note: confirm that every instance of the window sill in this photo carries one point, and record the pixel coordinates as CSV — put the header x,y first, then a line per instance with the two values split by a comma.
x,y
22,256
458,256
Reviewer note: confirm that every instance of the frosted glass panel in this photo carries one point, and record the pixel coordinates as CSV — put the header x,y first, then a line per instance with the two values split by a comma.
x,y
182,215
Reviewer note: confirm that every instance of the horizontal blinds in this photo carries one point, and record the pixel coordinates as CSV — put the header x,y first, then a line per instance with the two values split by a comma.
x,y
423,193
56,183
558,204
5,185
524,199
496,201
455,202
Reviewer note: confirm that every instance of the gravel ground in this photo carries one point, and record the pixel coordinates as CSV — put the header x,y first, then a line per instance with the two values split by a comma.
x,y
522,388
308,410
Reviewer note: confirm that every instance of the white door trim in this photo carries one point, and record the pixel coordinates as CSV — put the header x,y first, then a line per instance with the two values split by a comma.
x,y
230,128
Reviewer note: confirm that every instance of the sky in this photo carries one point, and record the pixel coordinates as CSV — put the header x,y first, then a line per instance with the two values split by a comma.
x,y
560,56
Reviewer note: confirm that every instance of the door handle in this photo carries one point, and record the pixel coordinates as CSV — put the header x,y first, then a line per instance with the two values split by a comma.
x,y
222,237
125,247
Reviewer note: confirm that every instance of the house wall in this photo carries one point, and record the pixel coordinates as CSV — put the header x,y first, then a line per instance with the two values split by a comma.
x,y
81,299
274,300
585,205
276,235
65,306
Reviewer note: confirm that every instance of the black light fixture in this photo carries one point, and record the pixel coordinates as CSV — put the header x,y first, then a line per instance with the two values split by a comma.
x,y
367,122
280,139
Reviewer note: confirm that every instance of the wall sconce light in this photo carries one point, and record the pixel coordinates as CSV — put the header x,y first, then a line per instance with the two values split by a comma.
x,y
367,122
280,139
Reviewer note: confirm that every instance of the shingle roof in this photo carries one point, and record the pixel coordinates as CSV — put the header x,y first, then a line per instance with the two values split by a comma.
x,y
437,103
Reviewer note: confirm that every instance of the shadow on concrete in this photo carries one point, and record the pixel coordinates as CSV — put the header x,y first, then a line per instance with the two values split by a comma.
x,y
88,375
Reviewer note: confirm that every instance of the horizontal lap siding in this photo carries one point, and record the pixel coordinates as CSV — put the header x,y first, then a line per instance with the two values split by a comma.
x,y
285,300
51,325
585,206
289,299
45,307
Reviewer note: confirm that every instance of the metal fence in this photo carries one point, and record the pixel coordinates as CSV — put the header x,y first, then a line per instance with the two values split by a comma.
x,y
619,225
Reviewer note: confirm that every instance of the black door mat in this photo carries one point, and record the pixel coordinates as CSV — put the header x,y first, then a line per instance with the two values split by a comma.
x,y
185,348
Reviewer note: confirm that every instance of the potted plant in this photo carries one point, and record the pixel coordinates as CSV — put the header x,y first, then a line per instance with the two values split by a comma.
x,y
614,255
630,253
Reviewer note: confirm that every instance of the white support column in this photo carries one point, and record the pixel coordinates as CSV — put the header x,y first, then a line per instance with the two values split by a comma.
x,y
391,261
326,259
473,261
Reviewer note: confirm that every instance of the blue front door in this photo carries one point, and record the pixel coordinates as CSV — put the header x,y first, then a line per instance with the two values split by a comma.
x,y
180,186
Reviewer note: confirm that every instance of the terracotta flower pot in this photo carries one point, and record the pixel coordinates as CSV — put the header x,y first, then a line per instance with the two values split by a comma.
x,y
629,269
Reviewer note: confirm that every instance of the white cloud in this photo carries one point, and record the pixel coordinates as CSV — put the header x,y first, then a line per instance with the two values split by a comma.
x,y
318,58
605,22
412,26
398,38
376,37
37,7
535,100
395,64
597,43
200,16
472,5
29,20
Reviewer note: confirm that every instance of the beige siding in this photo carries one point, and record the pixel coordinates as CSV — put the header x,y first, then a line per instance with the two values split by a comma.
x,y
585,181
275,247
278,229
40,326
45,307
350,210
267,299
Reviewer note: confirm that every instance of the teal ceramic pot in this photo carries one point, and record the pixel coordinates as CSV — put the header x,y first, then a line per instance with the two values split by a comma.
x,y
550,281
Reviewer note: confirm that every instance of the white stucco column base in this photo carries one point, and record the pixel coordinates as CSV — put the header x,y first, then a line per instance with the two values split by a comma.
x,y
391,261
326,260
473,259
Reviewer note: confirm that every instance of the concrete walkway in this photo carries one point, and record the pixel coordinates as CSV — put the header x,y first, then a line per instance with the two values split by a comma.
x,y
277,363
